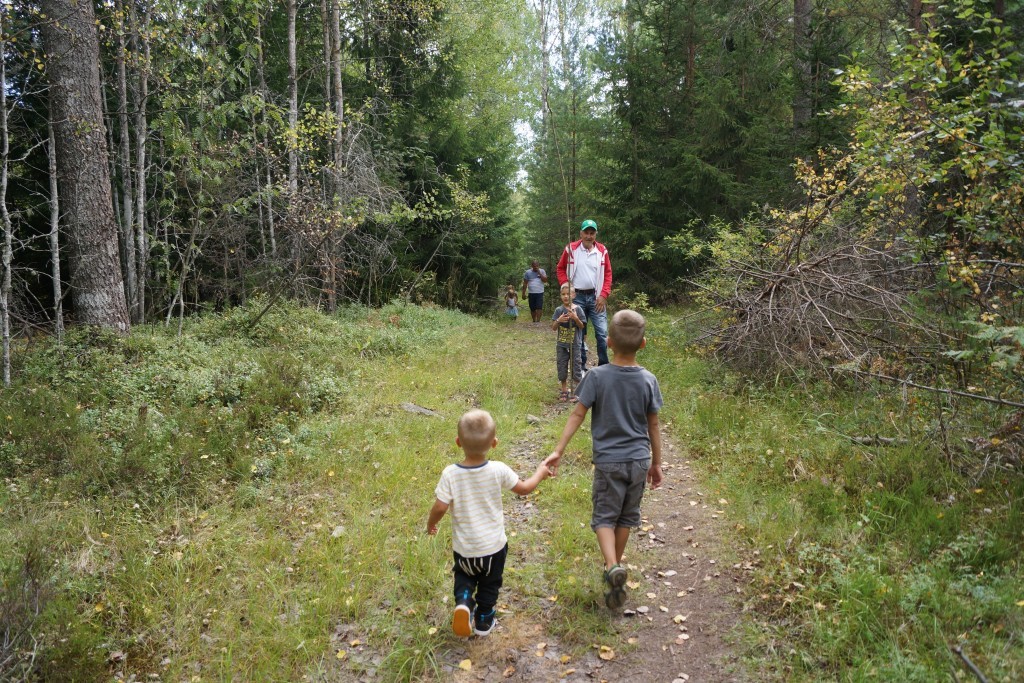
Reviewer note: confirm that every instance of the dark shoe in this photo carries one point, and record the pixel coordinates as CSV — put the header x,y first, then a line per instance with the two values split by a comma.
x,y
462,620
482,626
615,577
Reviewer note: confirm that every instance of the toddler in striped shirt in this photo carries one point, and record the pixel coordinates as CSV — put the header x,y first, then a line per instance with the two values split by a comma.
x,y
471,491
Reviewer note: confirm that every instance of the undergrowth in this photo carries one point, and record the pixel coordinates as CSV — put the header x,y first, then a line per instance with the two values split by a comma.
x,y
875,560
248,501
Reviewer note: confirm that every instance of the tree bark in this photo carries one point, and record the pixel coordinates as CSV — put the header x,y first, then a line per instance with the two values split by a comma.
x,y
58,288
72,47
125,165
293,108
141,39
5,216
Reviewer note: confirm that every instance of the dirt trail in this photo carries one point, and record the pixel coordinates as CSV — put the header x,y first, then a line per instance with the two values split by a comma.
x,y
682,605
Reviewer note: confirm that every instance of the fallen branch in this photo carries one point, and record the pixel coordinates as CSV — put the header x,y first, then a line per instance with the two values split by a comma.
x,y
878,440
949,392
970,665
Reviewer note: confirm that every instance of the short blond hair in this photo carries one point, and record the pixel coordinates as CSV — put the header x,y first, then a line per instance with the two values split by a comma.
x,y
627,331
567,286
477,430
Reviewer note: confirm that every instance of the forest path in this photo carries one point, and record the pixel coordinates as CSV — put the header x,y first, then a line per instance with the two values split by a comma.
x,y
683,598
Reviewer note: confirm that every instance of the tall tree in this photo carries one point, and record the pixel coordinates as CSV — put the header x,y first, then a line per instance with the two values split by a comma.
x,y
72,47
5,216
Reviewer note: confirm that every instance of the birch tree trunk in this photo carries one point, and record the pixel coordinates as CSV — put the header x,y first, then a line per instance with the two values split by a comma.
x,y
5,216
293,108
72,46
58,288
339,153
125,166
141,39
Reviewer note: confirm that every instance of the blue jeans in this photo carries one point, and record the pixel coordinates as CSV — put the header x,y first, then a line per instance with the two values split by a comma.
x,y
588,302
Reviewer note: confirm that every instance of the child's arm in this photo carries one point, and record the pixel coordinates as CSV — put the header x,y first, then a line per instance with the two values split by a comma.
x,y
523,487
654,475
575,420
559,320
436,513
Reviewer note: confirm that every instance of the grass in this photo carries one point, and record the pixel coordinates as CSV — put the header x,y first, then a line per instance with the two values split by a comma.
x,y
248,503
875,560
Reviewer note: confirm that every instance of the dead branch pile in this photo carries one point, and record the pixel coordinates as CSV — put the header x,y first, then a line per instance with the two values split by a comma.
x,y
810,302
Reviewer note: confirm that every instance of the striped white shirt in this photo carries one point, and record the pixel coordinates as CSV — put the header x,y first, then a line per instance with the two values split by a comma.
x,y
473,495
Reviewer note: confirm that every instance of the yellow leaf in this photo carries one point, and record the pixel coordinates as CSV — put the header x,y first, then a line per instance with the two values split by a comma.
x,y
1020,603
466,664
356,643
432,630
553,598
606,653
679,618
98,607
565,659
341,654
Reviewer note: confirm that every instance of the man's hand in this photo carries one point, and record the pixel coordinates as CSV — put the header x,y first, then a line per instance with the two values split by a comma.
x,y
432,530
655,477
599,305
551,463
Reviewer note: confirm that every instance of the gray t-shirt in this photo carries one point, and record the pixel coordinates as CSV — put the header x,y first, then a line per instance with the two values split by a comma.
x,y
534,284
620,399
568,333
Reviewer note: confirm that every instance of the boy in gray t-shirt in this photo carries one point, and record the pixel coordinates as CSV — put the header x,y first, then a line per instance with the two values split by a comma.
x,y
627,444
567,322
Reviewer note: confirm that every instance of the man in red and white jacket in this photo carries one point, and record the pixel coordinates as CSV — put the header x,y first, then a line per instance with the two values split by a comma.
x,y
586,265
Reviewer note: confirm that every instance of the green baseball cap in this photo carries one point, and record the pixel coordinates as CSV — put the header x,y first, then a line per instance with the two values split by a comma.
x,y
588,225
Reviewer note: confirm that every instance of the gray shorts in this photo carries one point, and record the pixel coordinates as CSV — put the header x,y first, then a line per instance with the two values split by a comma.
x,y
618,488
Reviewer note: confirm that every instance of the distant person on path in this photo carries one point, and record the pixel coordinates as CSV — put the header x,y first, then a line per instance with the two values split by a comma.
x,y
472,490
511,303
586,265
533,285
626,399
568,323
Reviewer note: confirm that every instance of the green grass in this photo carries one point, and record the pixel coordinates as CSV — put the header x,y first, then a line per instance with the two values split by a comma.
x,y
899,556
248,502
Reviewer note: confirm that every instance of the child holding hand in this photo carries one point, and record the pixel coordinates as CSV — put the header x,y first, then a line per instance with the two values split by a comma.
x,y
471,491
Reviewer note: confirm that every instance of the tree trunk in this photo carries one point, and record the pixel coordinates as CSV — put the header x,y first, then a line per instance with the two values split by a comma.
x,y
73,49
141,39
5,217
124,163
293,108
58,288
801,64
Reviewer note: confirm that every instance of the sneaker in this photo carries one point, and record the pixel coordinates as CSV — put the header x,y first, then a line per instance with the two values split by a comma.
x,y
461,621
483,626
615,577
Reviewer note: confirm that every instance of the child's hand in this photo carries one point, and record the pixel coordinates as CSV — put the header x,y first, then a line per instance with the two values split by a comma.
x,y
543,471
655,476
551,463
